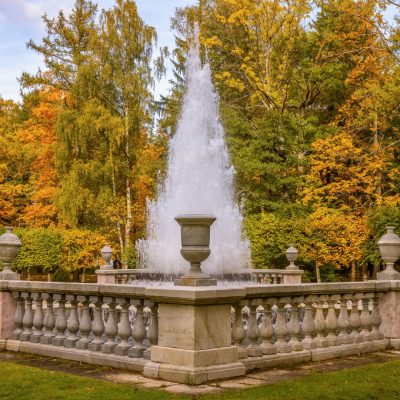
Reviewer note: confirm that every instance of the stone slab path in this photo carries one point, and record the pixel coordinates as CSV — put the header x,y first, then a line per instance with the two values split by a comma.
x,y
258,378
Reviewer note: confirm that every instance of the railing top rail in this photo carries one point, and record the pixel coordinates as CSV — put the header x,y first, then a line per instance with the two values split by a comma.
x,y
223,294
306,289
129,291
133,271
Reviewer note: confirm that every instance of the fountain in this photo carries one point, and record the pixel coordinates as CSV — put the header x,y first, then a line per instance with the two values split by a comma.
x,y
199,181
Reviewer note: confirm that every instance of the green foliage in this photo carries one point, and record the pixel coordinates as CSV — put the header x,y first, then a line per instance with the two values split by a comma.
x,y
271,235
41,249
60,250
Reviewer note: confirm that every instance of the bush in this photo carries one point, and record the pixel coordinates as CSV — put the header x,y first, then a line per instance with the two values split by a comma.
x,y
61,251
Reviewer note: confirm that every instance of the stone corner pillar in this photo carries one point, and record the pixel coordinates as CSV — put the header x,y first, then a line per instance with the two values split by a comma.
x,y
194,335
106,277
293,277
8,305
389,310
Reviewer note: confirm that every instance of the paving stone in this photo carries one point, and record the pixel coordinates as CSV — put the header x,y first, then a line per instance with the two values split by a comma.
x,y
192,390
156,384
250,381
277,375
233,385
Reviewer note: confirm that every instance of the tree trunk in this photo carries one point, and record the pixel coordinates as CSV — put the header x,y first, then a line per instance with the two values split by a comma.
x,y
375,271
353,271
378,150
301,154
318,271
128,194
114,189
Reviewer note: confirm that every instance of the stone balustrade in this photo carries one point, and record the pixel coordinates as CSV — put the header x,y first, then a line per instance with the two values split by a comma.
x,y
307,326
85,322
194,335
263,276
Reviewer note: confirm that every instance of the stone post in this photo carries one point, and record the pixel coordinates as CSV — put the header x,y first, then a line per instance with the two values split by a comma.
x,y
194,334
389,313
8,306
9,248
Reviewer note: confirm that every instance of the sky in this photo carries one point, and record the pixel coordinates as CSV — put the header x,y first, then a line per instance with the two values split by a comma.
x,y
20,20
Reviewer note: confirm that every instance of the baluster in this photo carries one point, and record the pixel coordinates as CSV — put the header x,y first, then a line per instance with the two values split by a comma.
x,y
111,328
253,332
27,320
85,324
308,325
139,331
49,320
97,324
331,322
376,318
280,327
355,321
37,320
294,324
320,339
267,329
124,328
73,323
343,320
238,331
152,331
275,279
365,318
19,316
61,321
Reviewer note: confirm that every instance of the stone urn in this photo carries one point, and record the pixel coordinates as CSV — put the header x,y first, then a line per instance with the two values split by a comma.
x,y
106,253
9,248
291,255
389,247
195,239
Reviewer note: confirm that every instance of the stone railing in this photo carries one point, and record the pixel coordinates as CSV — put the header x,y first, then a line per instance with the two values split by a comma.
x,y
266,276
307,323
106,325
194,335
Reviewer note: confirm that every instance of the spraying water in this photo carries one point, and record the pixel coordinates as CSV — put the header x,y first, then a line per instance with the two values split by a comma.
x,y
199,181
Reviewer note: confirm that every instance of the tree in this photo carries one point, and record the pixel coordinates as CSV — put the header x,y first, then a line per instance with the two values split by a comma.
x,y
125,50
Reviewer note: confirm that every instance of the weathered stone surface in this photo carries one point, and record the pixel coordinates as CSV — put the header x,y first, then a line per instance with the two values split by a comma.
x,y
7,310
105,278
389,308
194,358
194,375
294,278
193,391
194,327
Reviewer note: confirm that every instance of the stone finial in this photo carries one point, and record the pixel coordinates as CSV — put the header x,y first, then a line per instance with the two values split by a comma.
x,y
291,255
106,253
9,249
389,247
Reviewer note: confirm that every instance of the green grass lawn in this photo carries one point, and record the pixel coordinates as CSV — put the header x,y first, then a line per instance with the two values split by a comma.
x,y
374,381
